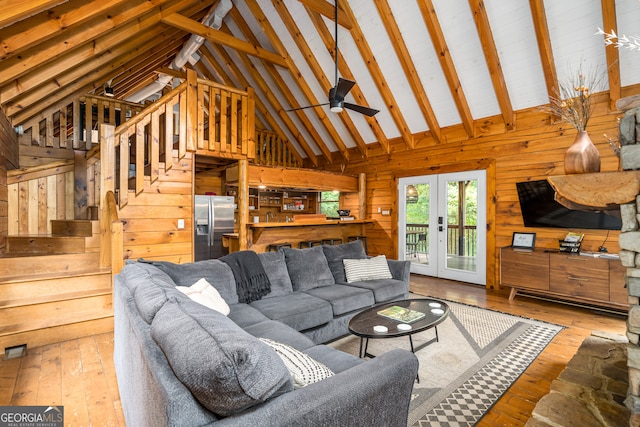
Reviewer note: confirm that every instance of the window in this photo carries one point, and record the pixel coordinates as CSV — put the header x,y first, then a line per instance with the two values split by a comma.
x,y
329,203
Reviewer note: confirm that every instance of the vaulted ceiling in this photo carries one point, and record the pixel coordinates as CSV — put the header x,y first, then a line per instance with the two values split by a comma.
x,y
427,65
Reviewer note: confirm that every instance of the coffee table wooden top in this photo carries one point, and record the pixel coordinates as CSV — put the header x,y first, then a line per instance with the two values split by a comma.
x,y
362,324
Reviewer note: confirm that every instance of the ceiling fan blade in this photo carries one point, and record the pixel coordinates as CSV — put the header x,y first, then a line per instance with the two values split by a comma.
x,y
308,106
360,109
342,89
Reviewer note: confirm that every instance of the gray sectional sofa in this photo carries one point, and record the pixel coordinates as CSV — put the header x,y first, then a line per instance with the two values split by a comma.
x,y
180,363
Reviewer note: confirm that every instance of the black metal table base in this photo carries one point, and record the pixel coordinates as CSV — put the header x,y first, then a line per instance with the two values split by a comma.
x,y
364,350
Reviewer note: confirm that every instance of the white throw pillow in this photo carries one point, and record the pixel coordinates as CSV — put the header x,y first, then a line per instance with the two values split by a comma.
x,y
202,292
304,369
358,270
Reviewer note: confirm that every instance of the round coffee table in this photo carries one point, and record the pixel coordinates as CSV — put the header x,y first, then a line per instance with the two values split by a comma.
x,y
432,312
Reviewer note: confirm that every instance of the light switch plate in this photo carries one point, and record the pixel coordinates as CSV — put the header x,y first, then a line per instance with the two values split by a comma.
x,y
180,224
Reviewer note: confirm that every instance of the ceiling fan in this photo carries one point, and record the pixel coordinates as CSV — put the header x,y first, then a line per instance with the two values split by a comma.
x,y
342,87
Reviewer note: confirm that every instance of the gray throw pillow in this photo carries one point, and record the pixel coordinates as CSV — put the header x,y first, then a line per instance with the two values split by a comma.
x,y
226,369
276,269
217,273
336,253
308,268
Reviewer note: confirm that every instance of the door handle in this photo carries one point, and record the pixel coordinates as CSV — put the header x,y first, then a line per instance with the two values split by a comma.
x,y
440,228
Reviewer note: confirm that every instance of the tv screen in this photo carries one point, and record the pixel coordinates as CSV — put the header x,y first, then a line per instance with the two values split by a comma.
x,y
540,209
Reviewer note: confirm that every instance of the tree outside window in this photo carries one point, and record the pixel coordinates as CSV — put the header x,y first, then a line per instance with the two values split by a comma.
x,y
329,203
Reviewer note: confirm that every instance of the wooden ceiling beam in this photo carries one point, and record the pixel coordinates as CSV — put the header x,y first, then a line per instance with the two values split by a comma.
x,y
378,77
345,72
544,45
24,9
327,9
35,86
266,91
57,22
89,74
446,62
317,72
612,53
90,42
286,91
493,61
239,77
216,36
409,68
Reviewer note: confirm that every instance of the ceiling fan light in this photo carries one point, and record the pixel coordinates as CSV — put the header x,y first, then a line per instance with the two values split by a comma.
x,y
336,106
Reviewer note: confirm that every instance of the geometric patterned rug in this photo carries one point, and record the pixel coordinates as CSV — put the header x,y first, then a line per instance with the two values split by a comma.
x,y
479,355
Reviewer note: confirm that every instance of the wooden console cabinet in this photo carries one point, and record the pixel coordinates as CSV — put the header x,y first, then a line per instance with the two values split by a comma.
x,y
566,277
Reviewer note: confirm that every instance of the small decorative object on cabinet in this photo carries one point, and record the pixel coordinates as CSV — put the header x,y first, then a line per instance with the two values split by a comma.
x,y
523,240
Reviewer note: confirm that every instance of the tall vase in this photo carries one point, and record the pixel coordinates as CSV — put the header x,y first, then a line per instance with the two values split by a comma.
x,y
582,156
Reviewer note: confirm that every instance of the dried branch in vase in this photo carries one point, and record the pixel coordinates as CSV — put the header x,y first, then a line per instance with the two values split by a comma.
x,y
571,101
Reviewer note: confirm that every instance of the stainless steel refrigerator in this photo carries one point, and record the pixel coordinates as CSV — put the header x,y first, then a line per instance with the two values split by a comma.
x,y
213,217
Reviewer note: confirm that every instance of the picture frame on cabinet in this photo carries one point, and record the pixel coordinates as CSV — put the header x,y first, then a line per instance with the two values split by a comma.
x,y
523,240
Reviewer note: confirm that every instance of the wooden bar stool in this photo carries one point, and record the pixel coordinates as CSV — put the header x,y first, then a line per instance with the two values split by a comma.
x,y
309,243
275,247
363,239
332,241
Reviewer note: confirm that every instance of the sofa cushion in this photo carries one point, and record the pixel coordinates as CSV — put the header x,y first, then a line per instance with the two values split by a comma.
x,y
298,310
276,269
217,273
336,253
383,289
332,358
225,368
244,315
203,293
308,268
280,332
357,270
151,288
303,368
344,299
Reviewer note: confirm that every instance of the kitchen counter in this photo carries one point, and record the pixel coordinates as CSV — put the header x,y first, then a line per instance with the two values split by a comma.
x,y
263,234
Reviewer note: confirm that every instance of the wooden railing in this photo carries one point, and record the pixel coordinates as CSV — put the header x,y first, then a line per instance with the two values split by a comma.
x,y
197,116
65,126
272,150
111,236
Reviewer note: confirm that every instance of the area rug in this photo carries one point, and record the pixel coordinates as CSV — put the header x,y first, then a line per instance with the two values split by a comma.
x,y
479,355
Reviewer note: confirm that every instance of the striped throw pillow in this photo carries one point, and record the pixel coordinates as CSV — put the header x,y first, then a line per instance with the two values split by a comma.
x,y
304,369
358,270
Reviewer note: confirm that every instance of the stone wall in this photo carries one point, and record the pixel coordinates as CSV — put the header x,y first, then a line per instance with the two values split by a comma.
x,y
629,241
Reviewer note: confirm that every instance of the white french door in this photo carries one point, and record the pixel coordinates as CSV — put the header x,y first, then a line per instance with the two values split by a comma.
x,y
442,225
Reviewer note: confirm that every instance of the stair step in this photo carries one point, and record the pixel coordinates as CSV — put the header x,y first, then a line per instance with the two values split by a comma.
x,y
38,289
71,227
68,264
56,334
44,244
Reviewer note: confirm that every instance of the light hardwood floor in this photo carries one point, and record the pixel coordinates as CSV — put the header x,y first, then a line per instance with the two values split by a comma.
x,y
79,374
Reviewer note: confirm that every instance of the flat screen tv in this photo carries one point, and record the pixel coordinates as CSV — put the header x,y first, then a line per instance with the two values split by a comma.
x,y
540,209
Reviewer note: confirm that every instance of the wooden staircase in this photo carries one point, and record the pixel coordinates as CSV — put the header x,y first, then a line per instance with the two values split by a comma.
x,y
52,288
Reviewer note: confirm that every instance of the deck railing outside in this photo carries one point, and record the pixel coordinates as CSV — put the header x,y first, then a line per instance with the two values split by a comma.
x,y
418,234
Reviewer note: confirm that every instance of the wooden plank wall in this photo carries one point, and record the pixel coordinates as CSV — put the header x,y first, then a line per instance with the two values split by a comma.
x,y
208,182
151,218
8,160
534,150
40,194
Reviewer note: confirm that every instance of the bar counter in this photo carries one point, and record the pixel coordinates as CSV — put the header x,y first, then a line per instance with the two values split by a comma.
x,y
263,234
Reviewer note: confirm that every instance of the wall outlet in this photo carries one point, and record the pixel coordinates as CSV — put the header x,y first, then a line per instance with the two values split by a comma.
x,y
379,209
180,224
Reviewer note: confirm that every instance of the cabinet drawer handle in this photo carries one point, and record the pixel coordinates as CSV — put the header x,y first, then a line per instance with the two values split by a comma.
x,y
575,258
583,279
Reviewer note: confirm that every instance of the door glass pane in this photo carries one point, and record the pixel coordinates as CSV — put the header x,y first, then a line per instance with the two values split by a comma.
x,y
417,223
462,215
